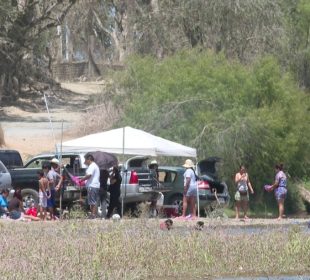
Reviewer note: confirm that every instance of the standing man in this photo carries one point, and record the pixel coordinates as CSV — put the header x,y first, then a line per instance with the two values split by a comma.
x,y
92,179
55,181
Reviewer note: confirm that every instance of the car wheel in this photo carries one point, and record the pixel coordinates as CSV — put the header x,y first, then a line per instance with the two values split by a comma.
x,y
177,200
30,196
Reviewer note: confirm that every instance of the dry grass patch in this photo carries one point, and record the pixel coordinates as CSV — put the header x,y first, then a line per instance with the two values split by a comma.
x,y
138,249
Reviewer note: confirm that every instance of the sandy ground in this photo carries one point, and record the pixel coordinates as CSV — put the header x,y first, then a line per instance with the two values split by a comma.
x,y
32,132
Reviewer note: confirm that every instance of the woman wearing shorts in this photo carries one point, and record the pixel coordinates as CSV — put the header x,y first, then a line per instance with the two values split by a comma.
x,y
242,194
190,190
280,188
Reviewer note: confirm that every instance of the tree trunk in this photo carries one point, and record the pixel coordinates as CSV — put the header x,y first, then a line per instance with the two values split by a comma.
x,y
2,142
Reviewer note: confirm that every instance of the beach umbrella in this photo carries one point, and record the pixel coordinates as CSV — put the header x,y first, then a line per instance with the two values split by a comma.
x,y
103,159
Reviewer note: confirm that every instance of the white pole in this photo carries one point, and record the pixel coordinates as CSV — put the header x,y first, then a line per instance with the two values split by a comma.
x,y
197,190
125,170
50,121
60,169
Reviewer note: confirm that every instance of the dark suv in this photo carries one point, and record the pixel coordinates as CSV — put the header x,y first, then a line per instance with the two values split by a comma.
x,y
11,158
211,188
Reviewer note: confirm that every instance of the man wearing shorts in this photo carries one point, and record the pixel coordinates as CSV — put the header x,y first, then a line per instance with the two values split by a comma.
x,y
92,179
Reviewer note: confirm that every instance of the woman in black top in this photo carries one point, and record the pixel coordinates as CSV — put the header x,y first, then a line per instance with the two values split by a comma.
x,y
115,192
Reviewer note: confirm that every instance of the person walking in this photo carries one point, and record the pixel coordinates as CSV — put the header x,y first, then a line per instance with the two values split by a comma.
x,y
115,192
242,194
190,190
280,188
92,179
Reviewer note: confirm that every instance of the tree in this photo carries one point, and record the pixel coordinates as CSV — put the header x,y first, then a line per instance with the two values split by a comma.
x,y
296,50
23,25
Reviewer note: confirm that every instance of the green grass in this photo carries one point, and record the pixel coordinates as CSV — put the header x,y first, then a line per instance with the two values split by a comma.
x,y
138,249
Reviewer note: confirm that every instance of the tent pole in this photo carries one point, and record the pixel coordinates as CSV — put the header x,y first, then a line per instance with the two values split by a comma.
x,y
198,208
60,170
124,194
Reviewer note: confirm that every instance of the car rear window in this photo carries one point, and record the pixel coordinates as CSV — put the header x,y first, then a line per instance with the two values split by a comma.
x,y
166,176
11,159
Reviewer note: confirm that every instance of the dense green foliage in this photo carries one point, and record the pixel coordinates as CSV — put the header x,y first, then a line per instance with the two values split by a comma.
x,y
253,115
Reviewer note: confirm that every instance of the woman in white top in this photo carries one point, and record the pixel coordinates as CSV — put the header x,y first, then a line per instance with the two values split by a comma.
x,y
190,190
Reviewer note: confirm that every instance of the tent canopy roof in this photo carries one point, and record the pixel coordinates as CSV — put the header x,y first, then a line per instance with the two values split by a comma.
x,y
130,141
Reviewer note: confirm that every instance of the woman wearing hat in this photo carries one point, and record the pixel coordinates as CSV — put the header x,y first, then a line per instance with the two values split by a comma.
x,y
190,189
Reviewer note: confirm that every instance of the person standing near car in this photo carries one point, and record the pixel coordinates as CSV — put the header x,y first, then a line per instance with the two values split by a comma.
x,y
55,181
92,179
280,188
103,191
190,190
43,194
115,192
153,166
242,193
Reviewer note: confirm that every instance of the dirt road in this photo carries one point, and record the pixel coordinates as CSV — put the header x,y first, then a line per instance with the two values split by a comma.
x,y
32,132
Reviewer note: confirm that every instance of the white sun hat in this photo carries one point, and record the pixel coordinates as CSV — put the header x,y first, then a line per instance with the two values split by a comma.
x,y
55,160
189,164
154,161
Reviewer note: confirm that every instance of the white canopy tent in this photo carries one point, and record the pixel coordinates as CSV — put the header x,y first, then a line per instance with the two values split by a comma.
x,y
128,141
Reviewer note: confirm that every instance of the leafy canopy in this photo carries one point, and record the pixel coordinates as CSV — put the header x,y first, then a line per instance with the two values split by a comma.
x,y
253,115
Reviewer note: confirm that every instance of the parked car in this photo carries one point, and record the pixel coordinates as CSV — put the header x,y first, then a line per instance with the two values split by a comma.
x,y
5,177
11,158
211,188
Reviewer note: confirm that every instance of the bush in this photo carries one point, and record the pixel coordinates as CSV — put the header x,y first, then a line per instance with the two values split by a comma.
x,y
244,114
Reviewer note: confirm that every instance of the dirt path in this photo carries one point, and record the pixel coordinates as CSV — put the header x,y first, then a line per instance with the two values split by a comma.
x,y
30,131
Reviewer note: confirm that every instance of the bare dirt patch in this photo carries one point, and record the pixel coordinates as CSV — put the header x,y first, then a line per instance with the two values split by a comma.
x,y
27,127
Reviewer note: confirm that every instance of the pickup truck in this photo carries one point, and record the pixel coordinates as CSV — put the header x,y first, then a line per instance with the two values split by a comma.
x,y
138,184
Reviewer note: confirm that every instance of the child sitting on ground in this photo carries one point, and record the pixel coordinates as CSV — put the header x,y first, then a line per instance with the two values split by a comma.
x,y
32,211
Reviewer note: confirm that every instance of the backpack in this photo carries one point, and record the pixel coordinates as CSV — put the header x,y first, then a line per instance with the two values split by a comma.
x,y
242,187
196,176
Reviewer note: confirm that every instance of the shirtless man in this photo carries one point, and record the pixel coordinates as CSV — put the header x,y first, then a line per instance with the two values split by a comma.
x,y
43,188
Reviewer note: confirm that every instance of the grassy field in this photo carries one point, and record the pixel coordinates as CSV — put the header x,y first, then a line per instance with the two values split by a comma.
x,y
139,249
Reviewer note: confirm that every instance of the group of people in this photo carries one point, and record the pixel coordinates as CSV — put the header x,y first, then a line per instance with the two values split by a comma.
x,y
243,189
50,181
14,209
